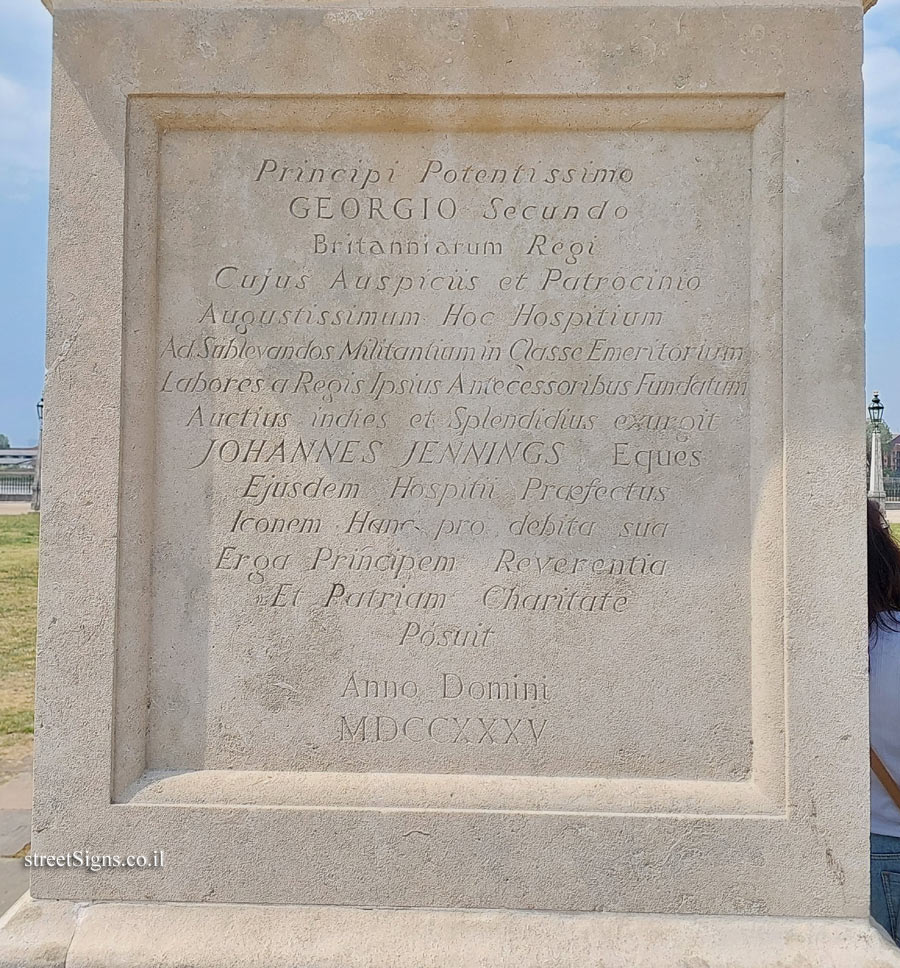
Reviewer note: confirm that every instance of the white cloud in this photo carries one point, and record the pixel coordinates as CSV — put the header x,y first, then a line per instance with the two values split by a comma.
x,y
882,77
32,13
24,97
882,193
24,133
882,23
881,71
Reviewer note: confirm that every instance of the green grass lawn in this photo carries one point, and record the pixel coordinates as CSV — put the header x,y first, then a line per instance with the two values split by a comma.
x,y
18,602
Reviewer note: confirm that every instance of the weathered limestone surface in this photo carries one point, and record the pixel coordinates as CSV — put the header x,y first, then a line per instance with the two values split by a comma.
x,y
131,935
454,536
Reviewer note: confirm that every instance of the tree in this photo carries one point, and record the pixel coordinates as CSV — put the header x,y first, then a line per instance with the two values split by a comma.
x,y
886,437
4,442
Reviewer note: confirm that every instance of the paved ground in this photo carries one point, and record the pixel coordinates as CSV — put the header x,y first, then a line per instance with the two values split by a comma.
x,y
15,507
893,516
15,835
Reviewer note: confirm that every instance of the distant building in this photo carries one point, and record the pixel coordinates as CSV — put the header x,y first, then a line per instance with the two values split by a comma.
x,y
20,456
17,466
892,457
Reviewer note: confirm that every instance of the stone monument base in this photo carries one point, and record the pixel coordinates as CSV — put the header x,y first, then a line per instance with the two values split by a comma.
x,y
133,935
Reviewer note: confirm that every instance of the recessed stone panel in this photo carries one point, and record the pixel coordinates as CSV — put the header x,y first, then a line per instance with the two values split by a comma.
x,y
453,407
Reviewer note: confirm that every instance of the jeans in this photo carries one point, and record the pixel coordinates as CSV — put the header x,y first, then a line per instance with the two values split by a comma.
x,y
885,882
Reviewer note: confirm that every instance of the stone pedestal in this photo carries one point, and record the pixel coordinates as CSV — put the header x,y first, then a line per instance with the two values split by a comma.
x,y
453,546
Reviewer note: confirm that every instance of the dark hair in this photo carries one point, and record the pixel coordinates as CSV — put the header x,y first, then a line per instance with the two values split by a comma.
x,y
884,570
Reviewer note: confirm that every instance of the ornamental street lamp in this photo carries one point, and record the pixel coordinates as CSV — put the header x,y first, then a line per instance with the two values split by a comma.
x,y
876,409
876,467
36,487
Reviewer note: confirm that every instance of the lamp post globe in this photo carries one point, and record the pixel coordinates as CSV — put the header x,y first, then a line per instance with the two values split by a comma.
x,y
876,409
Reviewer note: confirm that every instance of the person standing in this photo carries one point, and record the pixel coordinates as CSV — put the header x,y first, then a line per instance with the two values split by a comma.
x,y
884,720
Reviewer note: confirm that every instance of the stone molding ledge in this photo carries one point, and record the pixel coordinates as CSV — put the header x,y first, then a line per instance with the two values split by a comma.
x,y
64,934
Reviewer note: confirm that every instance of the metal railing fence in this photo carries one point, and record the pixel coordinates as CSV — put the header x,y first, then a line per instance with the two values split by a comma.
x,y
16,485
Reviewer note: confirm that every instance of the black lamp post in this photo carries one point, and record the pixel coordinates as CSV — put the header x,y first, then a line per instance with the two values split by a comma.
x,y
876,410
876,464
36,486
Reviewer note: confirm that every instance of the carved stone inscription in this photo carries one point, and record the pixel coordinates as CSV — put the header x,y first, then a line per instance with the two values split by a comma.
x,y
452,453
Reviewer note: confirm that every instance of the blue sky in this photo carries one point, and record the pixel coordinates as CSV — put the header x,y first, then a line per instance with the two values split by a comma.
x,y
24,130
